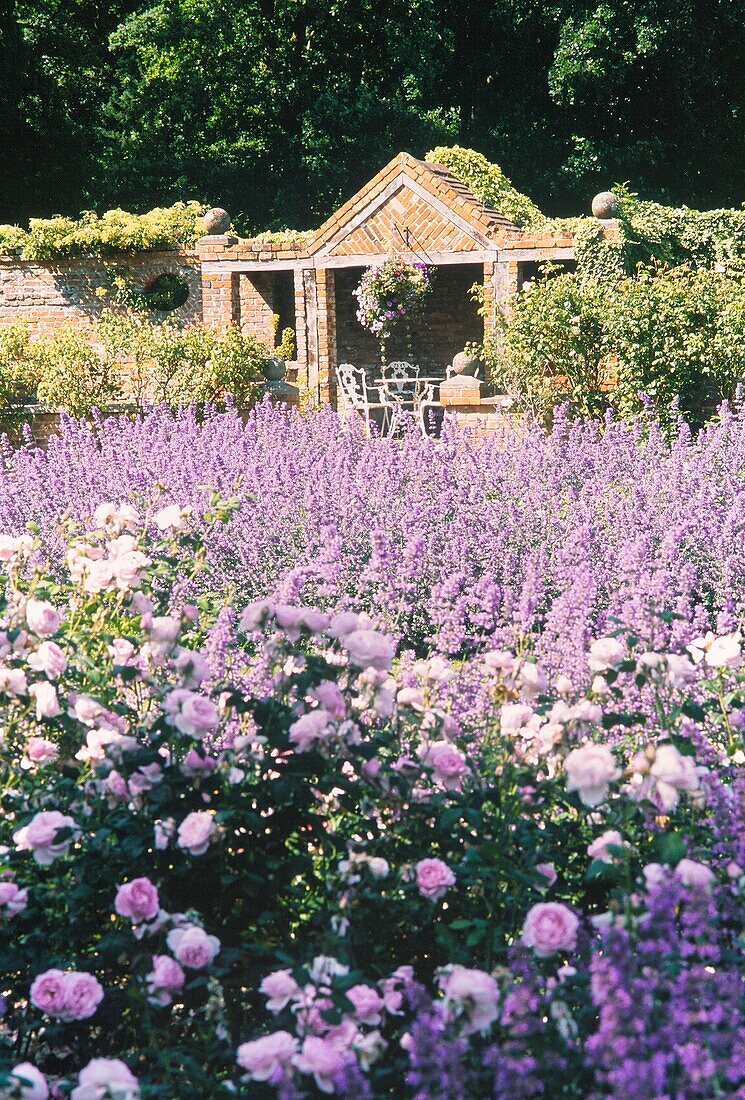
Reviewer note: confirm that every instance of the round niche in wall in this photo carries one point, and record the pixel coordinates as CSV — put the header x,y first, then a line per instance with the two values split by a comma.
x,y
166,292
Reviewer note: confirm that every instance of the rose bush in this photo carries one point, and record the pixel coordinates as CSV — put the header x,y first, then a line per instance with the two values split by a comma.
x,y
256,851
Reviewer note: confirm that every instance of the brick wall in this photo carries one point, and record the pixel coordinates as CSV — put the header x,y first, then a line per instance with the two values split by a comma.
x,y
449,321
48,297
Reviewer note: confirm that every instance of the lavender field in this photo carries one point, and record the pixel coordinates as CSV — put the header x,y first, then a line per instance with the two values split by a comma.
x,y
372,769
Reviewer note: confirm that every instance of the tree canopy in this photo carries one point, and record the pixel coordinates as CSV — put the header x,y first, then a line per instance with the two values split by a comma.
x,y
276,109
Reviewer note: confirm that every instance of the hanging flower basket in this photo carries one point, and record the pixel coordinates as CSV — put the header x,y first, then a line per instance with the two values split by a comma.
x,y
390,292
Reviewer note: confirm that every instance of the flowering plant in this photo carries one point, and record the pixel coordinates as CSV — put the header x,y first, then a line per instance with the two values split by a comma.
x,y
246,853
390,292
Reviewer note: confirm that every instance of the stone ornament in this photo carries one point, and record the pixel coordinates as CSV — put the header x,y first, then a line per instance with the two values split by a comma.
x,y
465,364
605,205
216,221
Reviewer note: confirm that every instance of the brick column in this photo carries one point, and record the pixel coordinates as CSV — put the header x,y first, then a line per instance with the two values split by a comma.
x,y
301,329
505,281
220,300
326,321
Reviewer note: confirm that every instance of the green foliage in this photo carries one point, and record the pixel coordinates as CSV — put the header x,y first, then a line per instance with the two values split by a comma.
x,y
488,183
115,231
656,235
287,347
16,369
677,336
71,375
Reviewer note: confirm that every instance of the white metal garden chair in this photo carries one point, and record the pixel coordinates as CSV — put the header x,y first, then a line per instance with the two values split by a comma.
x,y
400,380
353,386
425,402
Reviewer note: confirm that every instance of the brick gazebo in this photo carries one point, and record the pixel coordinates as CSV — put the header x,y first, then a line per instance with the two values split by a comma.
x,y
414,209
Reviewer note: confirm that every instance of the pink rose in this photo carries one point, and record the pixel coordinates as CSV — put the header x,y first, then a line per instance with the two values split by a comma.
x,y
255,615
589,770
42,618
321,1059
345,622
433,878
106,1077
164,980
195,832
547,871
328,695
196,764
164,632
114,518
672,772
31,1084
473,994
368,1004
599,848
39,751
137,900
263,1057
13,899
193,947
115,786
13,681
550,927
605,653
289,619
83,994
49,659
369,649
309,728
691,873
280,988
174,517
40,836
191,667
45,697
448,763
314,621
192,714
47,992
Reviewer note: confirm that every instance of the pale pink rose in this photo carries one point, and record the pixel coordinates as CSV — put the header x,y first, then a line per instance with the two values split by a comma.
x,y
549,928
320,1059
672,772
474,995
369,649
314,621
47,992
692,873
106,1078
589,770
342,624
38,751
531,679
599,847
605,653
13,899
115,786
10,546
45,697
122,651
85,709
725,652
654,875
39,836
128,569
29,1083
115,517
163,833
98,575
515,716
145,778
196,764
263,1057
172,518
547,871
279,988
100,743
193,947
49,659
191,667
310,728
433,878
378,867
164,631
255,615
194,715
13,681
329,696
164,981
196,831
289,619
368,1004
137,900
448,763
42,618
83,995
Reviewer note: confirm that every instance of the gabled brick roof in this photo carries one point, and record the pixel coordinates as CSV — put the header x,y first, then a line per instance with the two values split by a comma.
x,y
487,224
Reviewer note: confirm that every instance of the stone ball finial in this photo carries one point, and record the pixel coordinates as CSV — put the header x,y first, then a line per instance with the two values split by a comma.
x,y
217,221
465,364
605,205
274,369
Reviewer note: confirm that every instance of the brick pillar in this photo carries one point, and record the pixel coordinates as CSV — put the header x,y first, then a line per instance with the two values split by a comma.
x,y
326,321
220,300
256,297
301,329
